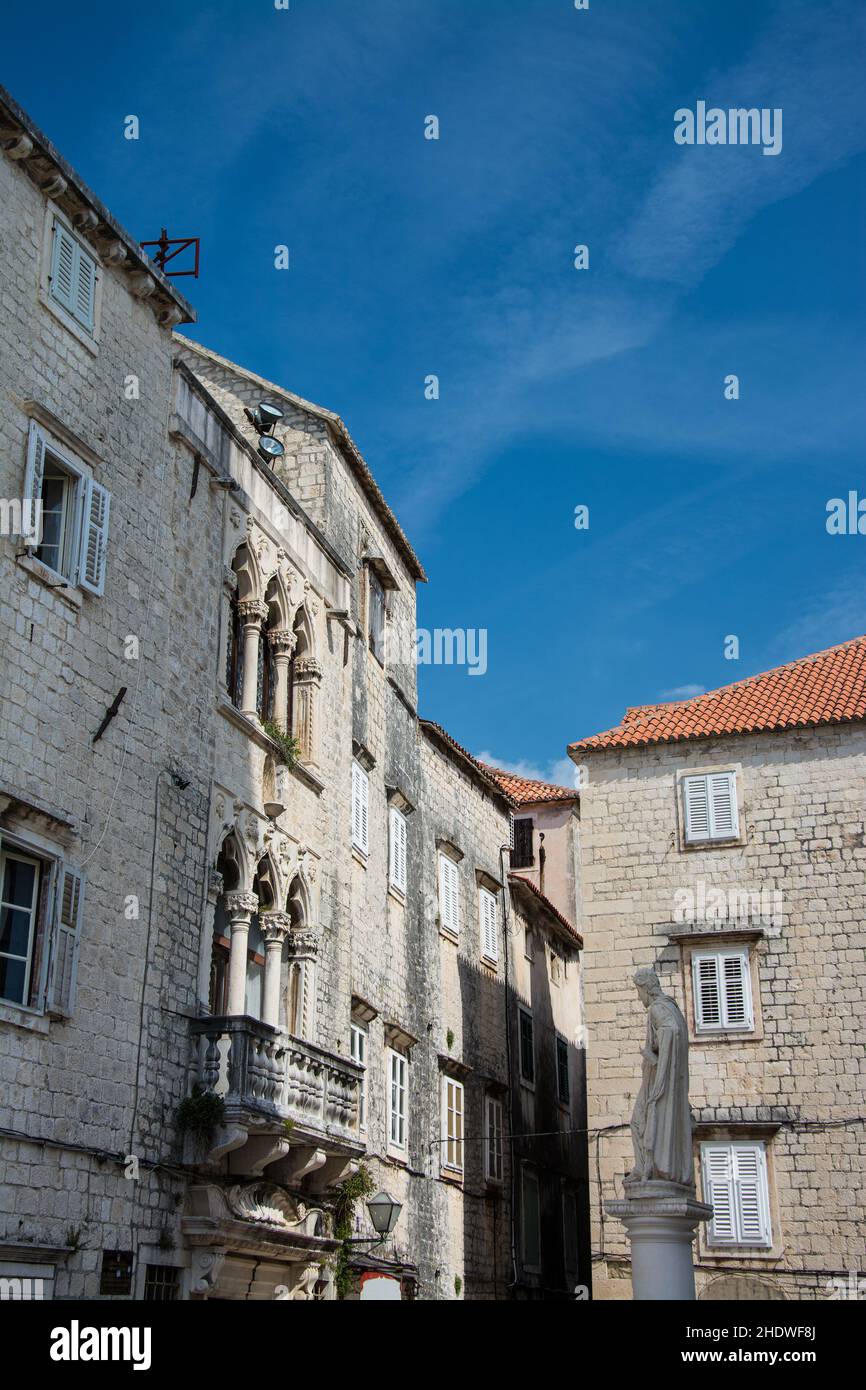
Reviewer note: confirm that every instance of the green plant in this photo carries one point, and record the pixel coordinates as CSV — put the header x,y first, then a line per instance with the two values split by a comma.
x,y
200,1114
449,1038
349,1193
74,1240
290,749
458,1285
288,1126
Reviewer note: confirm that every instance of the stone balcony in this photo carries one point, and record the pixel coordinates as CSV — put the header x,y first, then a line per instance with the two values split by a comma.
x,y
266,1078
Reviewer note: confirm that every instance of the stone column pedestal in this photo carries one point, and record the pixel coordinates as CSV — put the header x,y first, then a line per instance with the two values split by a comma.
x,y
661,1219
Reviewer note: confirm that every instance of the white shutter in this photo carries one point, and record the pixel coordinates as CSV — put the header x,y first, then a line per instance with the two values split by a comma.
x,y
750,1189
449,898
94,537
63,274
697,809
33,475
723,805
737,989
360,802
489,934
64,946
398,850
718,1187
707,994
710,803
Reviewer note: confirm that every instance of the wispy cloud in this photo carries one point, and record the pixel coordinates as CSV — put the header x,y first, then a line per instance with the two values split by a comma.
x,y
684,692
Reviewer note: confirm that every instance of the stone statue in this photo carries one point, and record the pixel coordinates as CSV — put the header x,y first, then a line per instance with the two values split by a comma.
x,y
661,1122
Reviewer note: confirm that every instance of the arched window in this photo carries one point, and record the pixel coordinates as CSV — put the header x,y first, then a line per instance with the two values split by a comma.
x,y
292,1008
305,681
235,652
228,866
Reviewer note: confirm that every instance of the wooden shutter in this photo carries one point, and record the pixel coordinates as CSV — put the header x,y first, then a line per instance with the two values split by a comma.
x,y
707,992
360,802
736,989
718,1184
750,1190
63,273
85,287
398,849
697,808
65,939
710,802
722,990
94,538
489,934
33,475
722,794
735,1184
449,894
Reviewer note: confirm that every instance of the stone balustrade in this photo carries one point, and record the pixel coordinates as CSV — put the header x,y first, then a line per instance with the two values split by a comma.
x,y
265,1072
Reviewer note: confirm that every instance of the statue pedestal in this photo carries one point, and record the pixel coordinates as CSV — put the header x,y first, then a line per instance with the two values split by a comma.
x,y
661,1219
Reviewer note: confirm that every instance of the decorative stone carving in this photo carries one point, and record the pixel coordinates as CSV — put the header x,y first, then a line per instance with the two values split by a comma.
x,y
661,1122
307,1282
205,1271
253,611
266,1203
241,904
275,927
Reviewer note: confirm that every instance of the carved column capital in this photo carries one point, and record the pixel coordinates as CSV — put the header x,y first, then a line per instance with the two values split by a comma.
x,y
275,926
307,670
253,611
283,641
214,884
239,905
303,945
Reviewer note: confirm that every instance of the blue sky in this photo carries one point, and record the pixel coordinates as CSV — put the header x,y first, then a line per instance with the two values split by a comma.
x,y
557,387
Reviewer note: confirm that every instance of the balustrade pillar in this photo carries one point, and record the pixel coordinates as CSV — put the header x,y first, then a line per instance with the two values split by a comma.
x,y
253,614
240,908
275,928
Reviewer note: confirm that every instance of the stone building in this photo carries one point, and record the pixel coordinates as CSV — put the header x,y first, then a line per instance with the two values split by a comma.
x,y
261,929
723,839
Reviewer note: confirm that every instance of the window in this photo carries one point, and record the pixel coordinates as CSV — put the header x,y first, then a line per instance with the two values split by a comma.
x,y
116,1273
531,1224
722,987
449,895
161,1283
489,924
397,856
360,803
74,513
376,617
398,1078
359,1055
563,1089
493,1114
40,916
735,1183
522,856
452,1124
710,807
235,653
570,1233
527,1046
72,281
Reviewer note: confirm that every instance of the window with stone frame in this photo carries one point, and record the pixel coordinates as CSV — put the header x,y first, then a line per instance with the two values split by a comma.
x,y
452,1124
530,1220
41,909
397,1097
710,810
493,1130
358,1051
376,616
563,1084
522,853
70,511
734,1182
72,275
722,990
526,1044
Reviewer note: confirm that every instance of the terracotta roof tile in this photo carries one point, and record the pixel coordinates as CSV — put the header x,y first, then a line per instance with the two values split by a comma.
x,y
526,790
827,687
551,907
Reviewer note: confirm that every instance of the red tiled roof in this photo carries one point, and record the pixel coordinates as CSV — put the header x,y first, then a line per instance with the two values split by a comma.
x,y
524,791
827,687
551,907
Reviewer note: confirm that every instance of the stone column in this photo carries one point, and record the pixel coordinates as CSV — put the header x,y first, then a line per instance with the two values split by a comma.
x,y
240,908
661,1219
214,891
275,928
283,642
303,948
253,613
308,678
